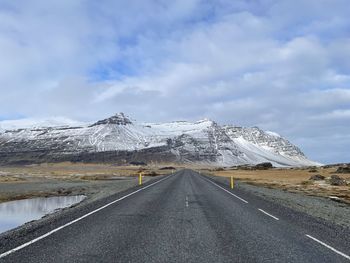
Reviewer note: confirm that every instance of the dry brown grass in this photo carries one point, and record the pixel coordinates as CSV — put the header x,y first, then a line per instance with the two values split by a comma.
x,y
75,171
294,180
56,179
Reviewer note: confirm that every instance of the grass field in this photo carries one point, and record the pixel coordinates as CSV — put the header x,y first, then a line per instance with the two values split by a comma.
x,y
27,181
75,171
293,180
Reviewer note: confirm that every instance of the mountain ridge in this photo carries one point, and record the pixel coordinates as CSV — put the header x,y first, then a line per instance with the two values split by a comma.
x,y
123,140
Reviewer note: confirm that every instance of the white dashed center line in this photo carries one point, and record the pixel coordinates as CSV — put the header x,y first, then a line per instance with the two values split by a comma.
x,y
328,246
266,213
276,218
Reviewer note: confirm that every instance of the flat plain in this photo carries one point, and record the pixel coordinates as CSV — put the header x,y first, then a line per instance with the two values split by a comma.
x,y
52,179
296,180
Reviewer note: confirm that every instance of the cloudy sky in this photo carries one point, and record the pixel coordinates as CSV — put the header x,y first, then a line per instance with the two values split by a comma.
x,y
282,65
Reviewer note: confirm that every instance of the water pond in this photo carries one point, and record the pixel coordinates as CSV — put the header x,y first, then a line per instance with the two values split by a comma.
x,y
16,213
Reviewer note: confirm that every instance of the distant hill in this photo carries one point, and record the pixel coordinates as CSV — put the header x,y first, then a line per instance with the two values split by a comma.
x,y
120,140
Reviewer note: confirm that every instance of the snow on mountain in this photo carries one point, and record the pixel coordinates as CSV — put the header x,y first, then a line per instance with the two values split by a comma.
x,y
273,133
32,123
203,142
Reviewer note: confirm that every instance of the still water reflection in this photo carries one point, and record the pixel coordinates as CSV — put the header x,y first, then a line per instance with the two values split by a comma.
x,y
15,213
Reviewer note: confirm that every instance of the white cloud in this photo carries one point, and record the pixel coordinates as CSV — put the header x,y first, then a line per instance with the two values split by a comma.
x,y
283,65
343,115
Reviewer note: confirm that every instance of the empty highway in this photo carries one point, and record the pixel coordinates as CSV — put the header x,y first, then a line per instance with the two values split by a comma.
x,y
183,217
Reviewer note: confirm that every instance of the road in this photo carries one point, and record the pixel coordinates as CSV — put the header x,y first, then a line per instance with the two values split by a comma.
x,y
184,217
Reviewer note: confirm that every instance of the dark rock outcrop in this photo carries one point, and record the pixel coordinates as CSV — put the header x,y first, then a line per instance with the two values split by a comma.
x,y
336,180
317,177
263,166
343,169
119,119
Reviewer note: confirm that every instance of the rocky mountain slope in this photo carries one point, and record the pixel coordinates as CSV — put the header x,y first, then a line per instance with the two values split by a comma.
x,y
118,139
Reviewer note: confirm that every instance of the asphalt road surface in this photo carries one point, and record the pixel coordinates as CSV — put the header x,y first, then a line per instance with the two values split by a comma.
x,y
184,217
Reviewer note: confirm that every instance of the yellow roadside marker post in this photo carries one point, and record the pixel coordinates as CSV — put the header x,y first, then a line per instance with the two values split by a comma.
x,y
232,184
140,178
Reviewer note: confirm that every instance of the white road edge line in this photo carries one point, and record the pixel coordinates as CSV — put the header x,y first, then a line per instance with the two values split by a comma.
x,y
328,246
227,191
266,213
76,220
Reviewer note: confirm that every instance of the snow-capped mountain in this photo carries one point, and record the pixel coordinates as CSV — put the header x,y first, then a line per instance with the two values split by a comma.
x,y
121,140
33,123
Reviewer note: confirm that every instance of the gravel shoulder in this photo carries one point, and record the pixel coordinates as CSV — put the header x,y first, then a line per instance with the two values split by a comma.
x,y
320,207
